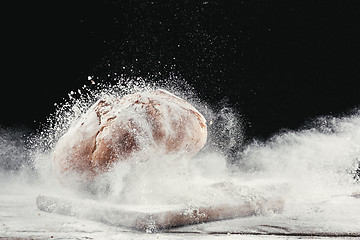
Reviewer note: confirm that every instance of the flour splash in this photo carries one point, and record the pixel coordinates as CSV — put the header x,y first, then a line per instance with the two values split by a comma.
x,y
318,162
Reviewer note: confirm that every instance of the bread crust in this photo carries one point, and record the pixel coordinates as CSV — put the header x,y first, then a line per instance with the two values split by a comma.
x,y
135,127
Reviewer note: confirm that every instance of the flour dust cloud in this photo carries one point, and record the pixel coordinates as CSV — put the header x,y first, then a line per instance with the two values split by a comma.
x,y
306,165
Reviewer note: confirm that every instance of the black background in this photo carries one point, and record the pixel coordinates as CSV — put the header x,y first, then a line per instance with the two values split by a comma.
x,y
278,63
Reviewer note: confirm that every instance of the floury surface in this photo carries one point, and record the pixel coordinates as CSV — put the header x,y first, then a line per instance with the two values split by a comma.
x,y
312,170
332,216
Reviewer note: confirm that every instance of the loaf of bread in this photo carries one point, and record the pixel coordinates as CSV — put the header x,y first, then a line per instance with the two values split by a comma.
x,y
135,127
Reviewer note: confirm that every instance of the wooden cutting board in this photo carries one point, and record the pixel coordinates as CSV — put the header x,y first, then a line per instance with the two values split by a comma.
x,y
155,218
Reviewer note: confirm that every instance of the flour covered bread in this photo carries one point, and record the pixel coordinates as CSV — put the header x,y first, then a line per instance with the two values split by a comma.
x,y
135,127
